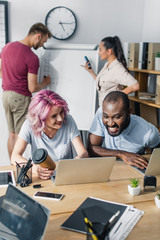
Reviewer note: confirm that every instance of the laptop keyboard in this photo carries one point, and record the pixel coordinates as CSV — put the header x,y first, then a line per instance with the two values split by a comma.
x,y
140,170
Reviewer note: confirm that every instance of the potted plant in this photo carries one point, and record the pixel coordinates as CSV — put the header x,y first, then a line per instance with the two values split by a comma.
x,y
134,187
157,199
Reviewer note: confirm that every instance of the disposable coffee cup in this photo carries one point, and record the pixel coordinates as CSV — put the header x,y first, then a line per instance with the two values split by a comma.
x,y
42,158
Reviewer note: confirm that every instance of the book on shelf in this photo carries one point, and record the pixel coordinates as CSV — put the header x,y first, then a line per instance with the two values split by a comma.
x,y
151,83
126,52
157,100
143,55
146,95
133,55
101,211
153,49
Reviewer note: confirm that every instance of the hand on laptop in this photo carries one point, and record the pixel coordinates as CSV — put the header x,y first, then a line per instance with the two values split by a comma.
x,y
134,159
43,173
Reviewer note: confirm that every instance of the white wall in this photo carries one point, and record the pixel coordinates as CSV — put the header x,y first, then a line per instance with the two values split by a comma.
x,y
151,22
96,18
4,159
131,20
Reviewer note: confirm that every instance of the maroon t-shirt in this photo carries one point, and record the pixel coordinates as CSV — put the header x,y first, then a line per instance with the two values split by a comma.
x,y
17,60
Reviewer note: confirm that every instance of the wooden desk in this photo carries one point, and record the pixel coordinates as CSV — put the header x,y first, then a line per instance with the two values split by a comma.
x,y
147,228
114,190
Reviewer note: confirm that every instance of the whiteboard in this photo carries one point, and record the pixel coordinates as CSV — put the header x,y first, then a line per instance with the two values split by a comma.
x,y
70,80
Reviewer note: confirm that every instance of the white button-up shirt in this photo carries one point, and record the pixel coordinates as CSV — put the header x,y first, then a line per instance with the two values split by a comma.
x,y
111,78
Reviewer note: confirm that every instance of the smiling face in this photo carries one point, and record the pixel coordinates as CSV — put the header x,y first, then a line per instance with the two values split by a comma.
x,y
54,120
115,118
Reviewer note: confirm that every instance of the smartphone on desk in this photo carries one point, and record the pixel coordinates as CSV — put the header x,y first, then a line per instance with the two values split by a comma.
x,y
87,60
48,195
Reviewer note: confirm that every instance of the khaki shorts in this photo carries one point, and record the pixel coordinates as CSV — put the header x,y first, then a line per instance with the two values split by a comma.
x,y
16,108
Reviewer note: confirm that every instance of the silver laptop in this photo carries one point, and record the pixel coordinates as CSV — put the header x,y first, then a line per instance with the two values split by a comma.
x,y
153,167
21,217
84,170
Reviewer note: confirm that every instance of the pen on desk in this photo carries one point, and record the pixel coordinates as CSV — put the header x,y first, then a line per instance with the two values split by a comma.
x,y
113,217
17,164
90,228
88,224
118,227
87,221
110,223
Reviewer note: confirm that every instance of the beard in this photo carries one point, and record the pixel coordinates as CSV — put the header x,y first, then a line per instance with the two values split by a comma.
x,y
116,130
37,45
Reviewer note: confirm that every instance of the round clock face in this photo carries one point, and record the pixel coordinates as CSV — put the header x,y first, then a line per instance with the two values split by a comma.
x,y
61,22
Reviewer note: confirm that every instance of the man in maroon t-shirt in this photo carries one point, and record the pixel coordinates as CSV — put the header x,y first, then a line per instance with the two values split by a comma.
x,y
19,68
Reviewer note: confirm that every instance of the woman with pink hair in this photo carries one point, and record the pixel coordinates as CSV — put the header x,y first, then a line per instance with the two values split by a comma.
x,y
49,126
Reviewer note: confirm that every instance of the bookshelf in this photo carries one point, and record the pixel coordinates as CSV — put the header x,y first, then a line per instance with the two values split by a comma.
x,y
4,34
142,77
143,71
150,103
147,109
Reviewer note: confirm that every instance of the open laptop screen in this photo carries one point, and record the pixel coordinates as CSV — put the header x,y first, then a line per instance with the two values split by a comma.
x,y
153,167
23,217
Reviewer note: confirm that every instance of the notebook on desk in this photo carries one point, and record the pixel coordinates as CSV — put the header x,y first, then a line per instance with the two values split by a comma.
x,y
84,170
100,211
153,167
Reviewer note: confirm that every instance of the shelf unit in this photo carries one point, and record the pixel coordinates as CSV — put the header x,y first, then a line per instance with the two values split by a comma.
x,y
145,108
4,33
150,103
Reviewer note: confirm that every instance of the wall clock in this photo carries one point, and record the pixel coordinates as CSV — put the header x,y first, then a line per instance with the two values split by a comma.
x,y
61,22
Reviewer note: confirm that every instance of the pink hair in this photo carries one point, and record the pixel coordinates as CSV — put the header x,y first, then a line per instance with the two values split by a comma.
x,y
40,106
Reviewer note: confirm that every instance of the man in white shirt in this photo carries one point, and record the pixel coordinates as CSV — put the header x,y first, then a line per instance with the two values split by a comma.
x,y
116,132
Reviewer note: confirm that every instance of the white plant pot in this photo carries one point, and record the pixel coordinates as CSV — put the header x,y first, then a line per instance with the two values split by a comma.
x,y
134,191
157,201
